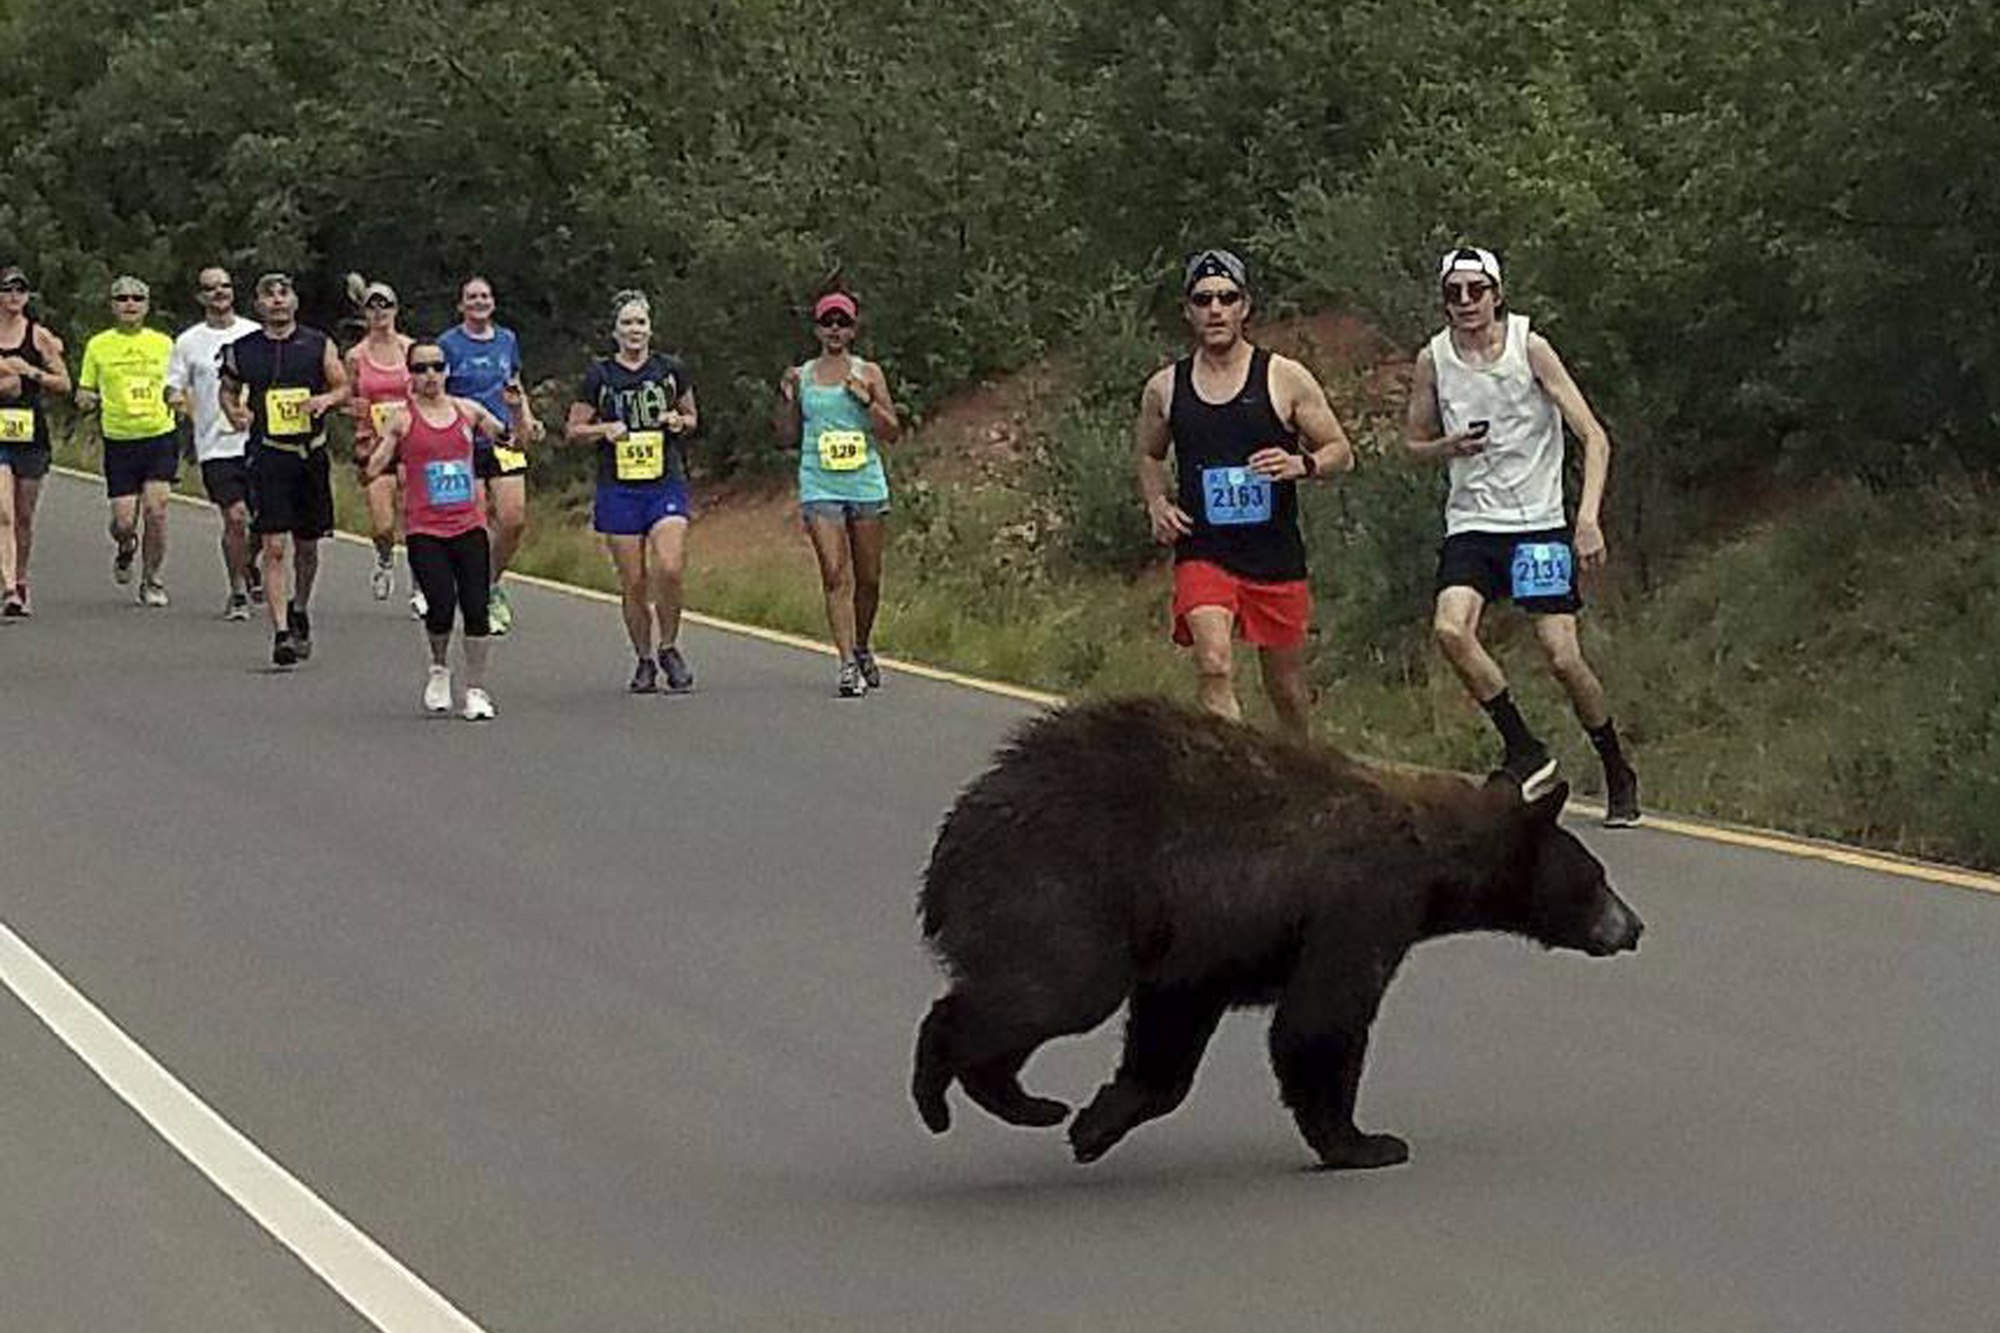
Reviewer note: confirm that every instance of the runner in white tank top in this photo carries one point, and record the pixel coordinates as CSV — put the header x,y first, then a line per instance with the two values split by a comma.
x,y
1490,397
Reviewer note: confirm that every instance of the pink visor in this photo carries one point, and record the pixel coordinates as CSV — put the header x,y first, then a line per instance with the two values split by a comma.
x,y
840,301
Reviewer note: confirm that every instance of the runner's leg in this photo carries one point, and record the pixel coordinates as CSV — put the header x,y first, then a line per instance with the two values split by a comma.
x,y
628,557
1212,628
666,558
836,578
869,537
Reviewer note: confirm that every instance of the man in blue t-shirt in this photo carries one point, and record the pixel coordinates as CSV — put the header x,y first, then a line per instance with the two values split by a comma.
x,y
485,357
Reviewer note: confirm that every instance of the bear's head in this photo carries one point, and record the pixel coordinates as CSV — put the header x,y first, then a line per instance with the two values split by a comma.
x,y
1561,897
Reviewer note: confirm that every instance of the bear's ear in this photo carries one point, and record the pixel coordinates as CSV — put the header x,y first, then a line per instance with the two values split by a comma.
x,y
1547,807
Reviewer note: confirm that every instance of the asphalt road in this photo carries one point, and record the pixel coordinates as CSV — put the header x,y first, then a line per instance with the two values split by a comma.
x,y
599,1017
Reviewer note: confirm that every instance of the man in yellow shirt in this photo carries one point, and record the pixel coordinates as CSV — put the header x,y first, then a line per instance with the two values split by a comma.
x,y
124,379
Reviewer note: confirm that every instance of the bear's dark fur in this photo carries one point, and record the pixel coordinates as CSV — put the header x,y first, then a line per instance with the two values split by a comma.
x,y
1134,850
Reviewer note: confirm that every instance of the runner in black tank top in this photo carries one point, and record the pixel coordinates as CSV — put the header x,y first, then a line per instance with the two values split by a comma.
x,y
1231,513
31,371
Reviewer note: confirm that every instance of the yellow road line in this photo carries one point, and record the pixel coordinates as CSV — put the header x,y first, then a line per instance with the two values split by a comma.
x,y
1783,844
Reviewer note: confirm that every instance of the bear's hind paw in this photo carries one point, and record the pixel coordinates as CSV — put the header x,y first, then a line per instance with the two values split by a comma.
x,y
1363,1152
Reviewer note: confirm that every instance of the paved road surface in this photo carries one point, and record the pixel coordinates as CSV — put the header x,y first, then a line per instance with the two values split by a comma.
x,y
599,1017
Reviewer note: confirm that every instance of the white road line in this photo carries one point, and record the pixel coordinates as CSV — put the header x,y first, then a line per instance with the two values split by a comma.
x,y
366,1276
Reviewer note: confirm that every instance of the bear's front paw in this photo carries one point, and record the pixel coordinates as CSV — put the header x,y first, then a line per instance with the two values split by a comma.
x,y
1363,1152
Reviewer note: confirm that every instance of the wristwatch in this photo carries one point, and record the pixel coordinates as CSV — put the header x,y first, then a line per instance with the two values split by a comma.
x,y
1311,462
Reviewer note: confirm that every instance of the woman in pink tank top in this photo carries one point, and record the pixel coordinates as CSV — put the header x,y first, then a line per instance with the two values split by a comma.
x,y
444,518
375,367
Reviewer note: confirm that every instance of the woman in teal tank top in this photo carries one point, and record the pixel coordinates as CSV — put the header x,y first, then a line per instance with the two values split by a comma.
x,y
836,411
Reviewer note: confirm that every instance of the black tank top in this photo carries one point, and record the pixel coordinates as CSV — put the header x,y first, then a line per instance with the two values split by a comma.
x,y
30,395
1242,522
288,365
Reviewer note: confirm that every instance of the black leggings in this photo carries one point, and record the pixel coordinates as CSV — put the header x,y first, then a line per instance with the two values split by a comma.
x,y
454,573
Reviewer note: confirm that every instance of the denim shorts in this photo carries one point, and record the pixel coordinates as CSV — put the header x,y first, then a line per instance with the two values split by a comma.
x,y
841,511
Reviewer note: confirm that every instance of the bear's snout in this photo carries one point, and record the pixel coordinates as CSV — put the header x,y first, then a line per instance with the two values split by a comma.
x,y
1617,929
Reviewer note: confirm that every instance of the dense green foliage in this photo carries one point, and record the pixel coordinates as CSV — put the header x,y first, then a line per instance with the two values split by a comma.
x,y
1761,232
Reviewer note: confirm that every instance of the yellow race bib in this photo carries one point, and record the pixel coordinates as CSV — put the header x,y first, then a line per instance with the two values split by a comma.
x,y
641,456
285,412
843,450
381,414
17,425
142,394
512,460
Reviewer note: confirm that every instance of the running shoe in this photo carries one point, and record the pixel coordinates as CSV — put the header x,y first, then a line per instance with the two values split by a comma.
x,y
15,606
382,581
152,592
121,561
1532,770
253,582
236,608
25,598
499,611
864,658
645,677
478,706
852,683
1621,797
437,691
302,631
680,676
419,608
284,652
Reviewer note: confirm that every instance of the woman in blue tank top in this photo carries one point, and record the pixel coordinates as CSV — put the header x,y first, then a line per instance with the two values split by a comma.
x,y
836,411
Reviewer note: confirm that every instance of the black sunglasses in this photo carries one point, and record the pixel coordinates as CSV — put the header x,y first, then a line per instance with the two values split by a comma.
x,y
1465,293
1204,300
127,296
427,367
379,303
834,319
13,286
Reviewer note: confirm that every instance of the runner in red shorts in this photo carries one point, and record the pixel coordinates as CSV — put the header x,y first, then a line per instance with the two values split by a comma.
x,y
1244,427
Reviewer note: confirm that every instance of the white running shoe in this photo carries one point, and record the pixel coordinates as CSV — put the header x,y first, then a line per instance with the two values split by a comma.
x,y
478,706
419,608
437,691
152,592
383,581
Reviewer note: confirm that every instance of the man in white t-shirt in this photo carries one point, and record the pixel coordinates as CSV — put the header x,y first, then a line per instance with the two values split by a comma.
x,y
192,379
1491,398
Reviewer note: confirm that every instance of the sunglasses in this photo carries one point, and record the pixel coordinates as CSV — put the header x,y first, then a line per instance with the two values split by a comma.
x,y
379,303
1203,300
834,319
1465,293
13,286
427,367
127,296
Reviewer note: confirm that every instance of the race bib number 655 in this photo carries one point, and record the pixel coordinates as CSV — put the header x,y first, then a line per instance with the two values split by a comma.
x,y
641,456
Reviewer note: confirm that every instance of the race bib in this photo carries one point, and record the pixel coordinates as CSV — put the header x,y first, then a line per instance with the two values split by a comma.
x,y
17,425
510,460
1543,569
381,414
1232,496
285,412
142,394
641,456
843,450
448,483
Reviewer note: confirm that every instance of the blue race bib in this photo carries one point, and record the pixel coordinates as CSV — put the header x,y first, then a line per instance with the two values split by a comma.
x,y
1543,569
1232,496
448,482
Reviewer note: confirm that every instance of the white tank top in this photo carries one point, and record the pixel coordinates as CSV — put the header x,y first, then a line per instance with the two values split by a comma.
x,y
1515,484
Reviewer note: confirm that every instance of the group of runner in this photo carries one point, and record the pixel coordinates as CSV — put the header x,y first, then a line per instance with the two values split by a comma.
x,y
1489,397
443,431
444,426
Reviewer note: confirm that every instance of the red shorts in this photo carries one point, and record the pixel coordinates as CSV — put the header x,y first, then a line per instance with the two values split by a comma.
x,y
1269,615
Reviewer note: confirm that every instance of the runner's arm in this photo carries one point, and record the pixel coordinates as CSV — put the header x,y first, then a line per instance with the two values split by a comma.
x,y
881,408
54,378
683,419
788,418
230,392
1327,446
387,444
1150,441
583,427
1554,377
1424,435
339,390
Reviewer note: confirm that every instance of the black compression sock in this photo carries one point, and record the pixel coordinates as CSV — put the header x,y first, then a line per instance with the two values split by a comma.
x,y
1605,738
1507,718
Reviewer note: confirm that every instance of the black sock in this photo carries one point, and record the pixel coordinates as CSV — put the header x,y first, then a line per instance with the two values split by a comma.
x,y
1507,718
1605,738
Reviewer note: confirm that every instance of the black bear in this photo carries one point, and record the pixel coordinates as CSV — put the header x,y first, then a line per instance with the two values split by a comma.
x,y
1132,850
